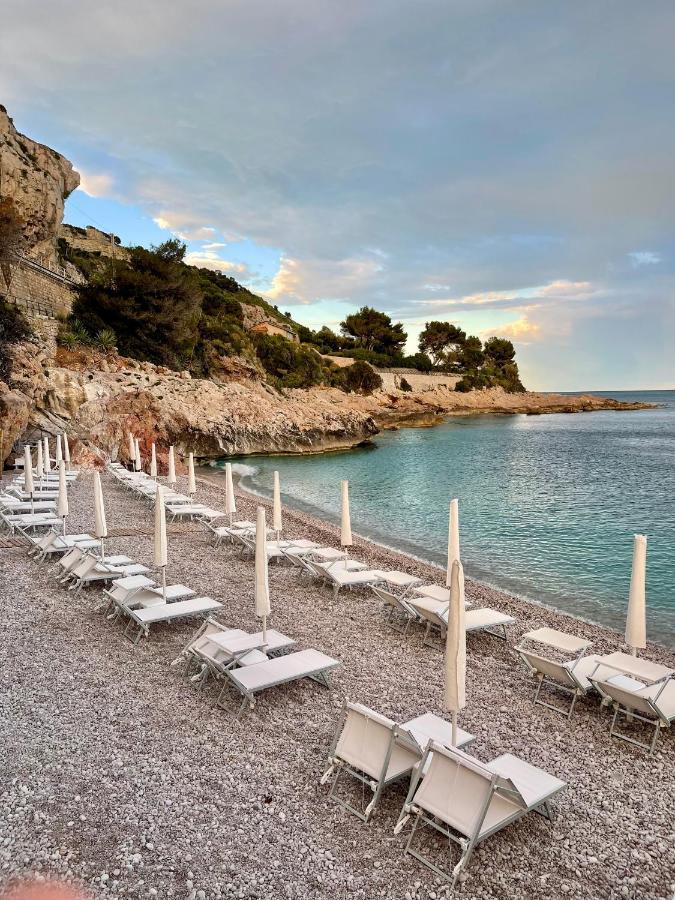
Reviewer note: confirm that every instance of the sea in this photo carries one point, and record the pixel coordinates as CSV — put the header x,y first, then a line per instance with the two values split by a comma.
x,y
549,504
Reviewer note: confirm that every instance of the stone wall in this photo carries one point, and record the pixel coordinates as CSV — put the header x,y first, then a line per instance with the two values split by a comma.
x,y
36,292
93,240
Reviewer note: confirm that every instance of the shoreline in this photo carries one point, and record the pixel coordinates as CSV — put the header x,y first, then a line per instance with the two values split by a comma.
x,y
407,561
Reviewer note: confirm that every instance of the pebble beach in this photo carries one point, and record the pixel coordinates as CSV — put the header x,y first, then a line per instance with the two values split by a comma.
x,y
120,776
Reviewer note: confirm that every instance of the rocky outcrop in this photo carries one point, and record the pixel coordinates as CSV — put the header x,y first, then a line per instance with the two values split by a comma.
x,y
38,180
98,399
93,240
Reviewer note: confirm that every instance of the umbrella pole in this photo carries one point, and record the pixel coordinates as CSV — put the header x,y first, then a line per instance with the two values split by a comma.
x,y
633,651
32,504
102,548
64,525
264,618
454,729
164,583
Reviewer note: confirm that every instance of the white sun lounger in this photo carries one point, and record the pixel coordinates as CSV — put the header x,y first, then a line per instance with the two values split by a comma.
x,y
467,801
376,751
399,613
251,680
167,612
569,676
646,695
139,591
341,575
435,614
102,570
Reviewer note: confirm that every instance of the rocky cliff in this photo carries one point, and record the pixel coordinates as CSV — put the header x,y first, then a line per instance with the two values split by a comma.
x,y
98,398
38,179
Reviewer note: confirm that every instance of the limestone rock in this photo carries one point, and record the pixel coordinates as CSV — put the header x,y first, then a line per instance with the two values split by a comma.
x,y
38,179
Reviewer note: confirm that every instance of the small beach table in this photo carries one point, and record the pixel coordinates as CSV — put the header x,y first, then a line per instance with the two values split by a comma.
x,y
430,727
328,553
400,580
344,565
433,592
635,666
558,640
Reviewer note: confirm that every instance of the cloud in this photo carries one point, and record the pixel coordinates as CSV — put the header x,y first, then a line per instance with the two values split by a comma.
x,y
643,258
520,330
323,130
309,281
209,259
95,185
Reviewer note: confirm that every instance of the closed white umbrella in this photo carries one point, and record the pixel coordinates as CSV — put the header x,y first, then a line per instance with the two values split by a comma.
x,y
28,485
455,649
39,464
276,508
138,462
171,477
636,619
192,483
46,461
230,505
59,454
132,450
153,461
262,589
100,526
345,521
160,545
66,451
453,539
62,502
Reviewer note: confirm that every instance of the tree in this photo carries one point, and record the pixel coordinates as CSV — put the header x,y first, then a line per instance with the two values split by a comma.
x,y
290,365
471,354
499,351
153,306
374,330
360,378
440,338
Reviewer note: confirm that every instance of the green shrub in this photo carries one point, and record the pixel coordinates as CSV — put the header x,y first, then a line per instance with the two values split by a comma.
x,y
13,328
360,378
106,339
291,365
405,385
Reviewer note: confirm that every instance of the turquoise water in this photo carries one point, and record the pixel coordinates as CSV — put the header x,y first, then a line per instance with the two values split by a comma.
x,y
548,504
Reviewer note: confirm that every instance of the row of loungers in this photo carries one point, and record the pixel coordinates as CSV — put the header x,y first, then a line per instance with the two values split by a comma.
x,y
462,798
177,505
635,688
28,514
249,663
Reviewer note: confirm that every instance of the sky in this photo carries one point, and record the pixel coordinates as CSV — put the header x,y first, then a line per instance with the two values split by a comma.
x,y
507,166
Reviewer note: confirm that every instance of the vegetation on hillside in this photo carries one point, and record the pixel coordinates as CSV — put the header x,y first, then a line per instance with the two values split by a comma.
x,y
157,308
13,328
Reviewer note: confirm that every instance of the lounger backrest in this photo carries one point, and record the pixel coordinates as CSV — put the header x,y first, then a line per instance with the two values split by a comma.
x,y
457,789
548,667
365,739
631,700
71,558
386,596
430,615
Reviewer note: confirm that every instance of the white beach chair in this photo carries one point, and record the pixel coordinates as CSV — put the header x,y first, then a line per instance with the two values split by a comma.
x,y
143,619
376,751
435,614
652,704
342,576
467,801
569,676
139,591
252,680
399,614
216,649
